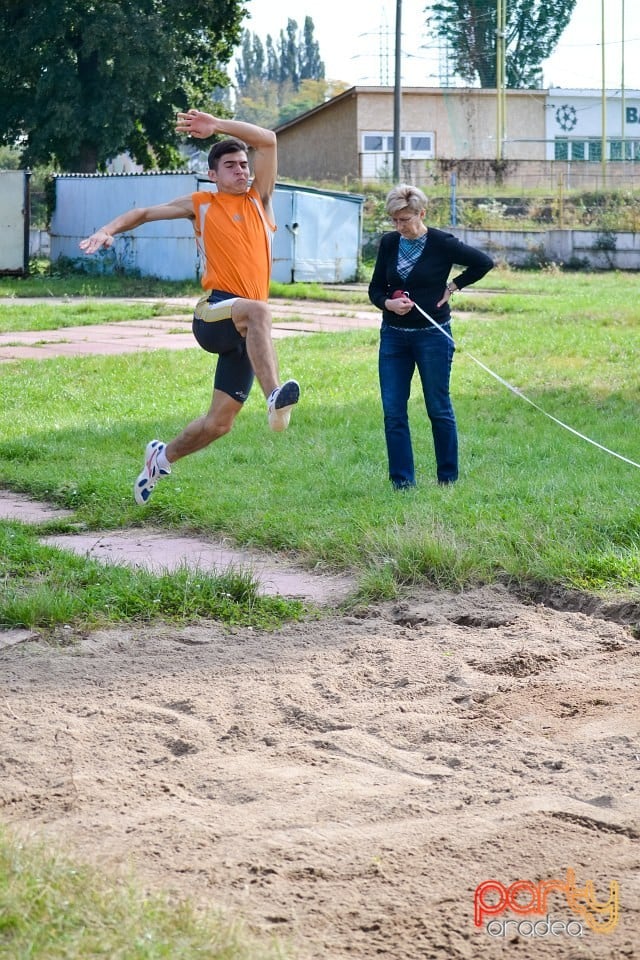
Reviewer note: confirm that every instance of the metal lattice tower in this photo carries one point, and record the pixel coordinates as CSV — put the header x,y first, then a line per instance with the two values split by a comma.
x,y
384,35
444,64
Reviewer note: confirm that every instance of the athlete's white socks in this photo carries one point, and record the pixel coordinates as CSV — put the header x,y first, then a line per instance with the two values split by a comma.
x,y
162,461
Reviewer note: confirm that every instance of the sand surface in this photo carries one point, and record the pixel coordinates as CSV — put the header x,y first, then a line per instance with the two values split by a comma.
x,y
349,782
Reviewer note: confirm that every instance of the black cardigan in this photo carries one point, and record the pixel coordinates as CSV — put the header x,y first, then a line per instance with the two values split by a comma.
x,y
427,281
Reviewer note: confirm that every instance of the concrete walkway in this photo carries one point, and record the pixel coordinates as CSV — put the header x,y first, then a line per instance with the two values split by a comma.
x,y
173,332
160,552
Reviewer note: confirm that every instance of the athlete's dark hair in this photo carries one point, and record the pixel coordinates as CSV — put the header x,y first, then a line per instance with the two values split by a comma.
x,y
225,146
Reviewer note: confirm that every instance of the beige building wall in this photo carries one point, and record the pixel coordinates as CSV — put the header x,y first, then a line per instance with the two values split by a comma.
x,y
375,109
463,121
322,144
325,144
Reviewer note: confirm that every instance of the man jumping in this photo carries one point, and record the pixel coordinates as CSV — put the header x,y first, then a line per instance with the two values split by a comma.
x,y
234,228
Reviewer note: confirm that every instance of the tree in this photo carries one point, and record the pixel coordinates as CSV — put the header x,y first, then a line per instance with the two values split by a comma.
x,y
311,66
260,104
81,81
468,27
251,66
277,81
294,58
290,55
273,65
309,94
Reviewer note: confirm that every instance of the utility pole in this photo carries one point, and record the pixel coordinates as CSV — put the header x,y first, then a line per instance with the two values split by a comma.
x,y
622,95
501,29
397,95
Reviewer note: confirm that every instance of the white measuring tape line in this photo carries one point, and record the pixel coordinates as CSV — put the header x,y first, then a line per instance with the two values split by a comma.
x,y
520,394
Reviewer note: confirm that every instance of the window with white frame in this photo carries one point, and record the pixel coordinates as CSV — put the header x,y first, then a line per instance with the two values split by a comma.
x,y
414,145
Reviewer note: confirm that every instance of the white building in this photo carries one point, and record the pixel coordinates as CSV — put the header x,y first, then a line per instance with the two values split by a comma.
x,y
577,125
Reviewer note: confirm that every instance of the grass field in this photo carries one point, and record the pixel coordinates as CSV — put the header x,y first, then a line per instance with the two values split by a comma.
x,y
535,503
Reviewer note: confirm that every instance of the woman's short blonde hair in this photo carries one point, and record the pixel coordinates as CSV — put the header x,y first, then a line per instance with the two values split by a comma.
x,y
403,197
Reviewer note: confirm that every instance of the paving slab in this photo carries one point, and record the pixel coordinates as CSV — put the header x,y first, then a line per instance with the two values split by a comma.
x,y
16,506
173,332
159,552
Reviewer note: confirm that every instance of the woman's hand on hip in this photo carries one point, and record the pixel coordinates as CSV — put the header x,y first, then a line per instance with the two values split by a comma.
x,y
449,291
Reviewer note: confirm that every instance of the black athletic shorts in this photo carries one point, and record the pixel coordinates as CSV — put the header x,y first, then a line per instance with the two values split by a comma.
x,y
215,331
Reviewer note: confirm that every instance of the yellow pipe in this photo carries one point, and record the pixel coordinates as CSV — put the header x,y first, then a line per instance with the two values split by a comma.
x,y
603,146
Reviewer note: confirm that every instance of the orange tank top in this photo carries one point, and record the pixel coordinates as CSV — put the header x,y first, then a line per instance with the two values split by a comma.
x,y
234,238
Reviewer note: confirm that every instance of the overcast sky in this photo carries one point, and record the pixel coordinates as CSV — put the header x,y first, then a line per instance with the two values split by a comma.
x,y
357,41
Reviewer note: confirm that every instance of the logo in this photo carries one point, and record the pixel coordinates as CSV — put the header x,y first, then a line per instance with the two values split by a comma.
x,y
523,897
566,117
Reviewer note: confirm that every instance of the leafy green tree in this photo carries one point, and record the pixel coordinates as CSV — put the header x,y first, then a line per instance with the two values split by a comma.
x,y
277,81
290,55
273,63
294,57
311,65
309,94
251,65
270,104
260,104
468,27
81,81
10,158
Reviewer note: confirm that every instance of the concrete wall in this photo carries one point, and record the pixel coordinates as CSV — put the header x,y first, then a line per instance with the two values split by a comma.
x,y
596,250
526,175
601,251
463,121
326,142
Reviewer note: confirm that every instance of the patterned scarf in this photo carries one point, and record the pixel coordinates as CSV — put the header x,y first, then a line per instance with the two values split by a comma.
x,y
409,252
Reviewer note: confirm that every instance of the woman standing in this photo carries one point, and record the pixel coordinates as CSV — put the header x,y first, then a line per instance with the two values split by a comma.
x,y
412,267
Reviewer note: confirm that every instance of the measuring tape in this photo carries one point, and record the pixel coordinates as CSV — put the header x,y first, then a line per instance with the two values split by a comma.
x,y
515,390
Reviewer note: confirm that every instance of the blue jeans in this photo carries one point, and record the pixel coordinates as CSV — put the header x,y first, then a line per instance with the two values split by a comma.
x,y
401,351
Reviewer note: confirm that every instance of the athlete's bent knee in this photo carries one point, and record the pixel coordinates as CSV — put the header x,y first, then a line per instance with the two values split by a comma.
x,y
255,315
218,429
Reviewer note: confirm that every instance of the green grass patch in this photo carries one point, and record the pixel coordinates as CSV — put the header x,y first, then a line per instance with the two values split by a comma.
x,y
534,501
51,908
46,283
318,292
48,280
15,316
41,586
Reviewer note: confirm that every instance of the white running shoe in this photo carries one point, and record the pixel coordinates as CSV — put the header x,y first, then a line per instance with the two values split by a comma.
x,y
280,404
151,472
